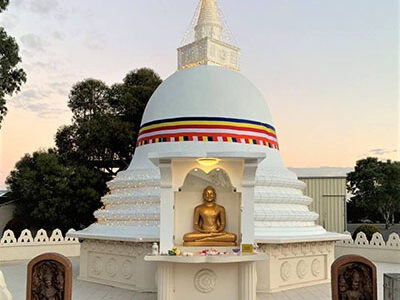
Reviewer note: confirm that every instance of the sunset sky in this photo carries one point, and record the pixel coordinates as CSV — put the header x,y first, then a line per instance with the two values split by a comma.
x,y
328,69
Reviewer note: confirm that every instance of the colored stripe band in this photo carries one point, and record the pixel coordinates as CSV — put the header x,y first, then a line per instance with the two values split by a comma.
x,y
208,130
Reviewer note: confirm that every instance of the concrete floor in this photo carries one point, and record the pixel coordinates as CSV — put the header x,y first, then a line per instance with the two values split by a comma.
x,y
15,276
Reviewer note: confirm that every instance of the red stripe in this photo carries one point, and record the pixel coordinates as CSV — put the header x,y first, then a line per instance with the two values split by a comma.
x,y
208,127
214,136
194,133
201,134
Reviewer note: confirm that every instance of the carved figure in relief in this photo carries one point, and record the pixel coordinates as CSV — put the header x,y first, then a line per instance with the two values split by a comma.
x,y
355,283
209,223
49,292
48,281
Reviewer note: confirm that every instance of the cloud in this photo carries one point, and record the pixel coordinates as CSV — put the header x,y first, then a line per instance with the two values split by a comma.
x,y
32,41
94,40
45,110
30,101
30,95
17,3
43,6
60,87
9,21
58,35
381,151
46,101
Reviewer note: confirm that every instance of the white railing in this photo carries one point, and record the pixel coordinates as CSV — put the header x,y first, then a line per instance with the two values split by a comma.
x,y
377,250
27,247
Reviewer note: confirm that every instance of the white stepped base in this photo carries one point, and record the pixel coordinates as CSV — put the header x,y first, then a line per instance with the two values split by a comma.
x,y
289,265
125,233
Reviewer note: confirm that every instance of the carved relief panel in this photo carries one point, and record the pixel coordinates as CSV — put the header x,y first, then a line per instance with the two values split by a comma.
x,y
49,278
353,278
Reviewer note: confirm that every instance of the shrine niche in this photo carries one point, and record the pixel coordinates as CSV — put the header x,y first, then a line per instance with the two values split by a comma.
x,y
191,195
49,278
353,278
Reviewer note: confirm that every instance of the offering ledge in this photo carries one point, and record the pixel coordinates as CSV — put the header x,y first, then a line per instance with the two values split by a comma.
x,y
212,259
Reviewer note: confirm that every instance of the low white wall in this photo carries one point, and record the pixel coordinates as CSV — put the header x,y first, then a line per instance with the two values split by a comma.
x,y
27,247
376,250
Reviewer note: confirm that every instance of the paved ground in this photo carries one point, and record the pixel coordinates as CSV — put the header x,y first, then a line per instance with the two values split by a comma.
x,y
15,276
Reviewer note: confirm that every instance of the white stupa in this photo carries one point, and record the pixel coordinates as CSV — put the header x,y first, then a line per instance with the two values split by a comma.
x,y
189,101
208,109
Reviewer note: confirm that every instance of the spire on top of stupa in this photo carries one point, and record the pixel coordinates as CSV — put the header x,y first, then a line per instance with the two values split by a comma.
x,y
208,24
208,40
208,12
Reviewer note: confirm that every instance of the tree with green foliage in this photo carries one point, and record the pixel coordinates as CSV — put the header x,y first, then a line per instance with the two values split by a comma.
x,y
11,76
375,186
61,188
106,121
49,194
368,229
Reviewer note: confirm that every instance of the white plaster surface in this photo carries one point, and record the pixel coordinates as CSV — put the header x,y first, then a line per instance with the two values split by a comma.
x,y
4,292
15,277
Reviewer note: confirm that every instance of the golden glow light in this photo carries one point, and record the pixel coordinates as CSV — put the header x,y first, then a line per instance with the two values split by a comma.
x,y
208,161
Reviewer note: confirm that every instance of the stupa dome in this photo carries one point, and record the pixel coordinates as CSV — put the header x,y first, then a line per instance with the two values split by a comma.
x,y
207,91
208,102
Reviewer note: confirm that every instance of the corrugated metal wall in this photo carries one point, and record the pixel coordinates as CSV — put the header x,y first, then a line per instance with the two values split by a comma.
x,y
329,195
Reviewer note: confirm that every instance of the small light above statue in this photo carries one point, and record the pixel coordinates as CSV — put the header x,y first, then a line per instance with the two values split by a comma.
x,y
208,162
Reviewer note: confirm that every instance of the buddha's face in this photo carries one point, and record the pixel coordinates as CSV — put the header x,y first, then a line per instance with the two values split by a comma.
x,y
48,279
356,281
209,194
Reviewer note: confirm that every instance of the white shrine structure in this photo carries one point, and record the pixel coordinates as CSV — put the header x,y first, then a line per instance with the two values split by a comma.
x,y
206,125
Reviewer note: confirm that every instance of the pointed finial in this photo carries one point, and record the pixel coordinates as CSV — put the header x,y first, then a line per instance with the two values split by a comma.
x,y
208,45
208,24
208,13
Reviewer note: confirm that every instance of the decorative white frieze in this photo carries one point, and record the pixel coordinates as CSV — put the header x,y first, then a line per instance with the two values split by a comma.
x,y
299,264
118,264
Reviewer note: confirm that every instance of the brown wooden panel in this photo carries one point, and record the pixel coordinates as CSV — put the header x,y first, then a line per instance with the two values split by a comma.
x,y
49,277
353,278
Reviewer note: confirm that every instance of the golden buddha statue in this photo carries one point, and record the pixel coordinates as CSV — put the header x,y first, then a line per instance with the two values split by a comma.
x,y
209,222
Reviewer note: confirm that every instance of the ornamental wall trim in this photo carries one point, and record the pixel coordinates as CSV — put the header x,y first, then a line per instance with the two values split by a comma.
x,y
377,241
41,238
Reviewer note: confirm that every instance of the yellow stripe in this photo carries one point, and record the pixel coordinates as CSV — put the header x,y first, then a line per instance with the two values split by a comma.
x,y
229,139
242,125
181,138
205,139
